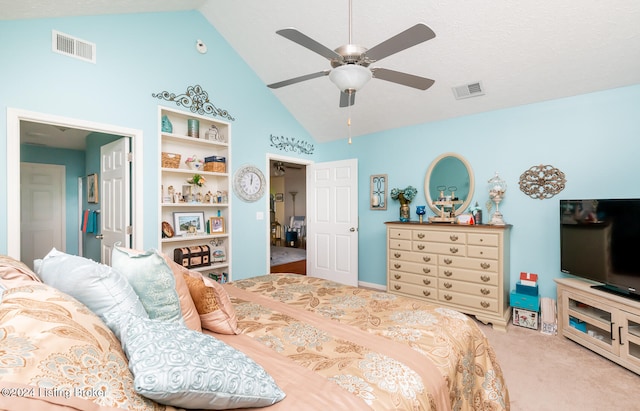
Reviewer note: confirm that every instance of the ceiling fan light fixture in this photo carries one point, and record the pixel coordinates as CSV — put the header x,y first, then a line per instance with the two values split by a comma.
x,y
350,77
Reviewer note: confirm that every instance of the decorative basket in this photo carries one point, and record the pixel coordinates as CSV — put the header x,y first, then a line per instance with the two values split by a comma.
x,y
170,160
215,166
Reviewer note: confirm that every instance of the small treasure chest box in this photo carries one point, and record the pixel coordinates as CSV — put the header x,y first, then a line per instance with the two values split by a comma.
x,y
194,256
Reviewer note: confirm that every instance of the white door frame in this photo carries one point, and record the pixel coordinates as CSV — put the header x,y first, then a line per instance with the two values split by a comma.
x,y
267,222
14,116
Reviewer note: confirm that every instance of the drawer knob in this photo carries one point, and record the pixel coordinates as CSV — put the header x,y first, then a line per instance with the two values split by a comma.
x,y
485,304
448,273
397,255
426,270
426,293
426,259
485,265
453,250
448,297
453,237
485,291
420,235
426,281
397,287
448,261
485,278
420,246
397,266
397,276
448,285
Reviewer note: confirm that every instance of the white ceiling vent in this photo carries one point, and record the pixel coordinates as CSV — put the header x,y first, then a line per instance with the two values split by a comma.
x,y
468,90
73,46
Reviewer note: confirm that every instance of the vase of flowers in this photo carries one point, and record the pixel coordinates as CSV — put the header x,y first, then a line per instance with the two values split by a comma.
x,y
405,196
196,181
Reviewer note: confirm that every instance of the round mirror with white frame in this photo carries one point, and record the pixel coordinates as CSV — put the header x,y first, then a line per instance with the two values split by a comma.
x,y
449,172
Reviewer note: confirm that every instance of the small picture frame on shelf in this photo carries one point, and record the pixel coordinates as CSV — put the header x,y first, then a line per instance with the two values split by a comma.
x,y
189,223
216,225
378,192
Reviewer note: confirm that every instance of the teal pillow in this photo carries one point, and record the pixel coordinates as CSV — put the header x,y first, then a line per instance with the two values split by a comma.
x,y
153,281
176,366
102,289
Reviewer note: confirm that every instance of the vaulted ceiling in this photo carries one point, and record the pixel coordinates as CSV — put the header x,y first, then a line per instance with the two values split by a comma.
x,y
519,52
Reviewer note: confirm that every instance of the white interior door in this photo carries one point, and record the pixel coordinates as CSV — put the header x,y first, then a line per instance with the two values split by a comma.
x,y
332,221
42,202
115,216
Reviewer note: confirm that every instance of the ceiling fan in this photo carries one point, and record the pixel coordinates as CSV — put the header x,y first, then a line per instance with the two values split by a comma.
x,y
350,63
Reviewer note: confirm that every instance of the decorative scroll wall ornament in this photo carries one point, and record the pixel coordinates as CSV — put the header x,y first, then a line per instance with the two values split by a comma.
x,y
196,100
543,181
291,144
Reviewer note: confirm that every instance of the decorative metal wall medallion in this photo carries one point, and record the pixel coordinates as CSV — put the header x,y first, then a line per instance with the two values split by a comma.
x,y
291,144
543,181
196,100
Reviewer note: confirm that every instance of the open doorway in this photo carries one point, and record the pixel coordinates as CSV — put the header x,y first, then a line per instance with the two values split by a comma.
x,y
287,215
38,133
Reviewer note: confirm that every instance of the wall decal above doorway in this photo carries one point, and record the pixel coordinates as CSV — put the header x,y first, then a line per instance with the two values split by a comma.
x,y
290,144
543,181
196,100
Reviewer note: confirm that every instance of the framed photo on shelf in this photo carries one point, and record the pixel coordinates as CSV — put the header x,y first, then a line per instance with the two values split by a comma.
x,y
92,188
189,223
216,225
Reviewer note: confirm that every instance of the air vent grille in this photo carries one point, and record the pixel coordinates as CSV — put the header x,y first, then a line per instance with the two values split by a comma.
x,y
73,46
468,90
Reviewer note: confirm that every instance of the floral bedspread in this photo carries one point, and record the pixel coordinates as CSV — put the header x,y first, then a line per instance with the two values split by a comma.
x,y
379,350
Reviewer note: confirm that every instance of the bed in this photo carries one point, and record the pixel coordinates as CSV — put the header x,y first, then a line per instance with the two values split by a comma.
x,y
321,344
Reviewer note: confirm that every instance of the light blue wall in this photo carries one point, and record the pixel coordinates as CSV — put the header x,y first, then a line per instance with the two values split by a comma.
x,y
592,138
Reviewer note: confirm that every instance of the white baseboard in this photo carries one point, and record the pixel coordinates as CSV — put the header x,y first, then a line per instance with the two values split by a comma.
x,y
372,286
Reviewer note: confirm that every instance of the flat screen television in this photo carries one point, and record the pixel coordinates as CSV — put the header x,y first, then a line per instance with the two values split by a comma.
x,y
600,241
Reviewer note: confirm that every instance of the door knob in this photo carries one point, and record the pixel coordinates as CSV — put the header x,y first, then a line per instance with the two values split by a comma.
x,y
352,229
100,236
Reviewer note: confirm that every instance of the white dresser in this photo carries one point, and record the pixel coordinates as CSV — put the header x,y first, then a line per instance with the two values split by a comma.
x,y
456,266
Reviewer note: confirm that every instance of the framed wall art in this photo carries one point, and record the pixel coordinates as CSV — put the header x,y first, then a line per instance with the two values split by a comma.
x,y
92,188
378,192
189,223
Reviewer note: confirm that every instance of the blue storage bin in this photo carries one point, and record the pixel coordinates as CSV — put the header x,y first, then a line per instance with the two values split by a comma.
x,y
578,324
528,302
526,289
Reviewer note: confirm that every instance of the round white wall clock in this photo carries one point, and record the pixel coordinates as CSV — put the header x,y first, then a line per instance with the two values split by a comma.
x,y
249,183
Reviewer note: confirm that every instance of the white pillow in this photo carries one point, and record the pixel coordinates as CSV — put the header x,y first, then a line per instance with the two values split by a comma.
x,y
176,366
101,288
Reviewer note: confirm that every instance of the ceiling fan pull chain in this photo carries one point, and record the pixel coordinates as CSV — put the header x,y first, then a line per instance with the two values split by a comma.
x,y
349,119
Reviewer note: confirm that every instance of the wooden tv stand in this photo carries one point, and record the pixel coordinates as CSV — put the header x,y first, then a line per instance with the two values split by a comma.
x,y
606,323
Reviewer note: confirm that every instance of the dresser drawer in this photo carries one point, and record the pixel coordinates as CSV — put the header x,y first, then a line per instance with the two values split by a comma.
x,y
480,264
397,244
474,276
409,267
417,279
448,237
483,239
482,252
466,300
413,257
429,293
480,290
398,233
442,248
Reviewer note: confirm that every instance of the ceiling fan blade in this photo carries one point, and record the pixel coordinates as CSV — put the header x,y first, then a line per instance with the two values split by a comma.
x,y
298,79
344,99
306,41
405,79
408,38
